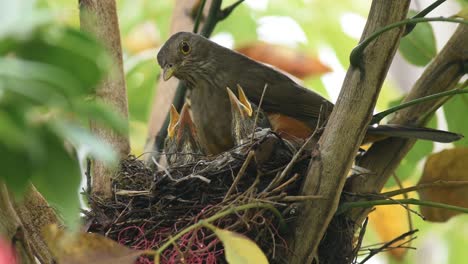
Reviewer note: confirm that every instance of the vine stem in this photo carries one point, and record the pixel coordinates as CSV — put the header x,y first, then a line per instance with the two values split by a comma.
x,y
423,13
378,117
366,204
209,220
356,53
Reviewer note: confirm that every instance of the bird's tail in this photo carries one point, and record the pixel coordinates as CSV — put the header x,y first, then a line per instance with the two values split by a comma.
x,y
391,130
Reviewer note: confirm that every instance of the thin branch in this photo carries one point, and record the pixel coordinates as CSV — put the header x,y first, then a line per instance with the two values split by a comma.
x,y
388,244
228,10
422,13
378,117
405,196
239,174
425,186
199,16
367,204
356,54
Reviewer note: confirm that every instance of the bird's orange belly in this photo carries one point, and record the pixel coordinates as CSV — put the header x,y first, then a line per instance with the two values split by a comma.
x,y
289,127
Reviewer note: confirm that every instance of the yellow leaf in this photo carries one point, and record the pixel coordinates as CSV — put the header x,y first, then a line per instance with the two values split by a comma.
x,y
389,222
89,248
463,13
239,249
447,165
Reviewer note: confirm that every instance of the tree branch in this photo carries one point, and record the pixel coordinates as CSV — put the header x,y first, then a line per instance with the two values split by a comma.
x,y
10,224
100,19
35,214
333,155
384,157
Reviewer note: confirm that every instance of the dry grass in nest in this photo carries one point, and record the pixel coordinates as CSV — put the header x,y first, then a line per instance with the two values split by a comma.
x,y
150,207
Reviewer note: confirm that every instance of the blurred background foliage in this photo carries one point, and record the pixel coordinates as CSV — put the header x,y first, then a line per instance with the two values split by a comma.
x,y
48,75
307,32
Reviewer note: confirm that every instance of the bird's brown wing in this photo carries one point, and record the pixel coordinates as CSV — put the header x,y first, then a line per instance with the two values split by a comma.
x,y
283,95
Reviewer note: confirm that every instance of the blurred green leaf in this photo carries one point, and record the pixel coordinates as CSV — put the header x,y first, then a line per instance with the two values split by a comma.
x,y
16,169
70,50
19,20
454,110
58,177
83,138
244,29
58,80
463,2
419,47
141,82
101,113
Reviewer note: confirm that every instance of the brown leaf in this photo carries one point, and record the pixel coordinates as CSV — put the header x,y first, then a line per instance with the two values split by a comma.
x,y
289,60
447,165
89,248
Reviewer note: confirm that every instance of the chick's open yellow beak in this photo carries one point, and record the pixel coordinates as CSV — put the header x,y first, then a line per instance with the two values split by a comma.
x,y
168,72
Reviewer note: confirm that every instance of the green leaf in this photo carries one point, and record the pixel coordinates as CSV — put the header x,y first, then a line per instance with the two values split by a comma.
x,y
20,75
20,19
82,138
70,50
456,120
58,178
16,169
101,113
244,28
419,47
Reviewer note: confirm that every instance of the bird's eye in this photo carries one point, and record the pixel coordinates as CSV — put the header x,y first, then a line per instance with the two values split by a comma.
x,y
185,47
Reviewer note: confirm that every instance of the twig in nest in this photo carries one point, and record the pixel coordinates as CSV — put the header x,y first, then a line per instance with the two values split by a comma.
x,y
286,170
286,183
239,174
373,252
168,174
132,193
300,198
291,163
192,176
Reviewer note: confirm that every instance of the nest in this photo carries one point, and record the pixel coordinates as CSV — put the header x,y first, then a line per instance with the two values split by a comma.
x,y
149,207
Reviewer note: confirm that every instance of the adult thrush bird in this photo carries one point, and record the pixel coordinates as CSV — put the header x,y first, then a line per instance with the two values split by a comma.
x,y
182,145
208,68
246,116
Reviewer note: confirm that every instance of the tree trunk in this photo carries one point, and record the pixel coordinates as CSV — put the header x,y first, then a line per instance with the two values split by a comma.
x,y
332,157
100,19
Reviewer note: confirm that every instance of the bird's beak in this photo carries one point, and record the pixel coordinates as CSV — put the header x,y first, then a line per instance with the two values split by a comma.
x,y
168,71
173,120
186,121
244,100
235,103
